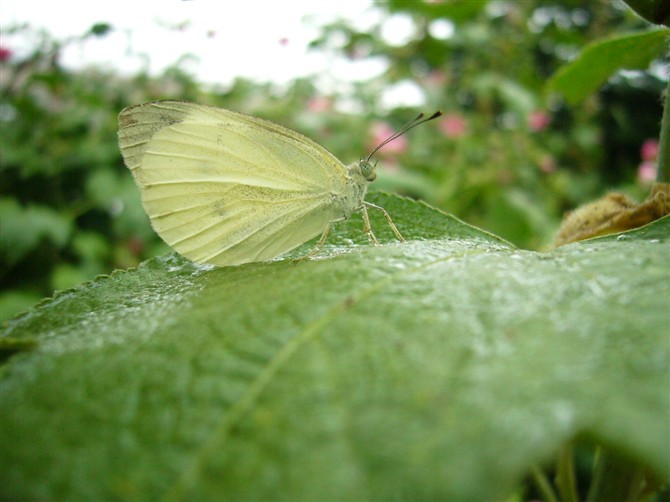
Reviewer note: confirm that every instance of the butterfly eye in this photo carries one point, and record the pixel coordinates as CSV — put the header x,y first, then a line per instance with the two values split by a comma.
x,y
368,170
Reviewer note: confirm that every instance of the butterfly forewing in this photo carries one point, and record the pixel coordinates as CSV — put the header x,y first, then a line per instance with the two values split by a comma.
x,y
225,188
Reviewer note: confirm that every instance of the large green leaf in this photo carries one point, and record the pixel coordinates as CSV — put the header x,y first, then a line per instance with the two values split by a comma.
x,y
600,60
441,368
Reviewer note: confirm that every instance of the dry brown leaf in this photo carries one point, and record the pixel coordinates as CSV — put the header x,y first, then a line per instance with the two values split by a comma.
x,y
615,212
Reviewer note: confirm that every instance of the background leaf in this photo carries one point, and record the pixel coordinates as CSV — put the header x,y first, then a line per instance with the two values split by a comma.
x,y
25,228
442,368
601,59
654,11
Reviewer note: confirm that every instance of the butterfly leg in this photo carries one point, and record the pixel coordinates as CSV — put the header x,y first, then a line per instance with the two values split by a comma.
x,y
322,240
386,215
367,228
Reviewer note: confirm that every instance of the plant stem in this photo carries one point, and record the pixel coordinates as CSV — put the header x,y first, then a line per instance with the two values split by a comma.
x,y
615,480
543,485
663,174
565,475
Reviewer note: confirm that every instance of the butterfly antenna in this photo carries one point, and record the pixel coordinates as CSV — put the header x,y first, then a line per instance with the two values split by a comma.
x,y
409,125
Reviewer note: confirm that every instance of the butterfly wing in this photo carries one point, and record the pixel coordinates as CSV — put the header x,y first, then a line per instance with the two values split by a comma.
x,y
225,188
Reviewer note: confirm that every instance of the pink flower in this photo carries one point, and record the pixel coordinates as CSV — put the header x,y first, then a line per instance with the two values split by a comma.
x,y
381,131
5,54
454,125
436,78
649,150
320,104
548,164
538,120
646,172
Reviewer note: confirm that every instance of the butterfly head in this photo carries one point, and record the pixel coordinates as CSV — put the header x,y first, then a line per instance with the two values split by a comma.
x,y
368,169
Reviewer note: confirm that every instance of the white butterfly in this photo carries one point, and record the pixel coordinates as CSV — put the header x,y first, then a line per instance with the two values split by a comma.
x,y
225,188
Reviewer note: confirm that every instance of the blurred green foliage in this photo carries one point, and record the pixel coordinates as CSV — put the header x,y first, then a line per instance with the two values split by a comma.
x,y
506,156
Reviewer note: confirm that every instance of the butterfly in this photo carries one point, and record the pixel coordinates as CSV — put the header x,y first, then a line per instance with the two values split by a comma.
x,y
226,188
